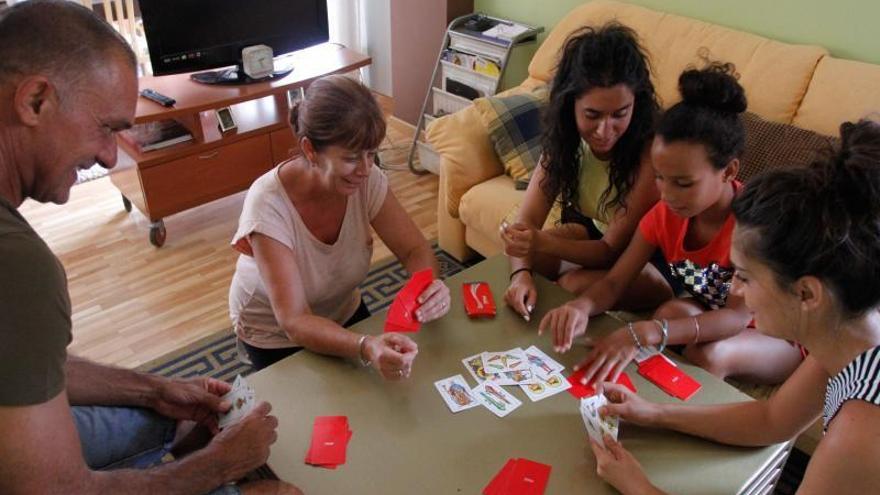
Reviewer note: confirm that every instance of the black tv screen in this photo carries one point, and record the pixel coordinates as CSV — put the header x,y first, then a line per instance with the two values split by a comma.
x,y
192,35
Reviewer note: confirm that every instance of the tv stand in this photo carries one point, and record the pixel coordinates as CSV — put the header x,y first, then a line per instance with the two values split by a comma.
x,y
213,165
236,75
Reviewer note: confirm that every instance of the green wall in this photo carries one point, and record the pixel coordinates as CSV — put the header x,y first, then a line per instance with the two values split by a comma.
x,y
847,28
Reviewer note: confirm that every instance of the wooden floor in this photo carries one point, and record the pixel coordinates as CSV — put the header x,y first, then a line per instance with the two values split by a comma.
x,y
133,302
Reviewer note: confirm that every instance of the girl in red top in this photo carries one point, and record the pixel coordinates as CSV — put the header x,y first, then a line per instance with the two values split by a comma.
x,y
695,156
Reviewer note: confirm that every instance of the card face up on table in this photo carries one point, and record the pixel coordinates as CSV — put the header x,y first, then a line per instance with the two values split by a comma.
x,y
402,313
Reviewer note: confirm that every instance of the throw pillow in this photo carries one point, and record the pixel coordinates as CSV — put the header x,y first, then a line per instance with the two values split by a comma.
x,y
772,145
514,126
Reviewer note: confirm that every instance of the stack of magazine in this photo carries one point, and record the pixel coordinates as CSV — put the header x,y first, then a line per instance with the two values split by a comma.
x,y
156,135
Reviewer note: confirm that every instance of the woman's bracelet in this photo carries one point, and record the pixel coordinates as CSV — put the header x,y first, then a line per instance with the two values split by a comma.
x,y
635,336
523,269
696,330
361,345
663,325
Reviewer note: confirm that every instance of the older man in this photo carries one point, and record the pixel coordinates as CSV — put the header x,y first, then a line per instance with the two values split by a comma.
x,y
67,86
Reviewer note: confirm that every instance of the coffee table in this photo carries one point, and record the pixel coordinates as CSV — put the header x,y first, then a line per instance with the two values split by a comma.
x,y
407,441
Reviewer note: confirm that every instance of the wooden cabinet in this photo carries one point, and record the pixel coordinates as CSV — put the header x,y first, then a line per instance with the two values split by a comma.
x,y
163,182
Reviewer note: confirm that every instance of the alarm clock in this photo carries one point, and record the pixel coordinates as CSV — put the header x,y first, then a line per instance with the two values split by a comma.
x,y
257,61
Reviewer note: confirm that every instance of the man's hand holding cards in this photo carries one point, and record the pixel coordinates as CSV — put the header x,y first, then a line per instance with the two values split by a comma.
x,y
242,399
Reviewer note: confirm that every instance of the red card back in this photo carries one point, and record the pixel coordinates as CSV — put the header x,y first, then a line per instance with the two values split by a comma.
x,y
528,478
669,378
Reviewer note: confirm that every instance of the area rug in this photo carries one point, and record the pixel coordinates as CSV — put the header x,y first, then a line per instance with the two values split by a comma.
x,y
216,355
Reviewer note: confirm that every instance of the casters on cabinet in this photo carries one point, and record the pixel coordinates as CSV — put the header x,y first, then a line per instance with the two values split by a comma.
x,y
157,233
126,203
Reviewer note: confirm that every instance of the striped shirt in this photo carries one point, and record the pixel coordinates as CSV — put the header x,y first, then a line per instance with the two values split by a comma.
x,y
859,380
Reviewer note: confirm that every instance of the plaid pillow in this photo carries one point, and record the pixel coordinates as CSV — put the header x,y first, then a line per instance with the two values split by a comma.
x,y
771,145
514,125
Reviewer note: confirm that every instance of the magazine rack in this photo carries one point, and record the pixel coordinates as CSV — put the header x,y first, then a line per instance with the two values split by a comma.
x,y
470,64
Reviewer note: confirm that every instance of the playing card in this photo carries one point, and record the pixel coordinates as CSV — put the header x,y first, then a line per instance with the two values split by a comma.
x,y
401,315
669,377
330,437
595,424
519,477
456,393
541,363
242,398
545,387
527,478
512,360
498,484
478,300
474,365
579,390
496,399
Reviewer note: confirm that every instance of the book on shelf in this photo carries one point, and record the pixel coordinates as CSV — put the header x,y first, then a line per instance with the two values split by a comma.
x,y
156,135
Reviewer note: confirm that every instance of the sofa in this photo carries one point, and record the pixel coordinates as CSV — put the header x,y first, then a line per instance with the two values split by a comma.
x,y
797,85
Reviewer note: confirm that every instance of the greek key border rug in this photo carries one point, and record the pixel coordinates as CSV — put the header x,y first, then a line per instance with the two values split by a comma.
x,y
216,355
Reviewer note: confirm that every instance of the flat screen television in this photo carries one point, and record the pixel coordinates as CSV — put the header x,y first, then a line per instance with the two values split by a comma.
x,y
194,35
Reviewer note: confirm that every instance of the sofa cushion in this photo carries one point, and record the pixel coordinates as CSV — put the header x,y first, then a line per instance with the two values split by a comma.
x,y
467,157
514,125
840,91
775,75
485,205
773,145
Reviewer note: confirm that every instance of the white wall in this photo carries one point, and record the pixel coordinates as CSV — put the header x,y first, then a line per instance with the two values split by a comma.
x,y
377,22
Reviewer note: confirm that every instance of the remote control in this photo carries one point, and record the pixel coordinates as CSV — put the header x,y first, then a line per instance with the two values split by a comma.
x,y
159,98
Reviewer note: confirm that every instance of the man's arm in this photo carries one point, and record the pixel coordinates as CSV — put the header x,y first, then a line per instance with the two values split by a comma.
x,y
94,384
41,453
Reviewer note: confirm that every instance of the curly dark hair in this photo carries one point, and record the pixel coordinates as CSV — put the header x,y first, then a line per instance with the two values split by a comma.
x,y
709,113
822,221
600,57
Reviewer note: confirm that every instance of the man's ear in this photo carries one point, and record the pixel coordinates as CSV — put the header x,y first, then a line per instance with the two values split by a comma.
x,y
33,97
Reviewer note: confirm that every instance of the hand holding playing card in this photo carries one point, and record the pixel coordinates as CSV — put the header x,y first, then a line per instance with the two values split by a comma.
x,y
391,354
619,468
608,357
433,302
519,239
565,323
626,405
244,446
197,400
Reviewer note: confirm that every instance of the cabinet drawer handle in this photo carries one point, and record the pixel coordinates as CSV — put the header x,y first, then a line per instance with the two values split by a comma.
x,y
213,154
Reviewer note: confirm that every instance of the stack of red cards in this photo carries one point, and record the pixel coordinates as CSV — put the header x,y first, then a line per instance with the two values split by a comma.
x,y
478,300
402,313
519,477
330,436
579,390
660,371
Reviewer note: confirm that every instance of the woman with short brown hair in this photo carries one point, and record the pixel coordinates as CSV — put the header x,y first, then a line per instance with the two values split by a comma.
x,y
305,241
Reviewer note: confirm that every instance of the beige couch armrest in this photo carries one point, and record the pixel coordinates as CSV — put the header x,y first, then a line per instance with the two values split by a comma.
x,y
467,157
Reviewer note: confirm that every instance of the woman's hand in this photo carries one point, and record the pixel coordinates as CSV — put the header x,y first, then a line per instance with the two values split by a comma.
x,y
391,354
433,301
521,295
628,406
619,468
566,322
519,239
608,357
